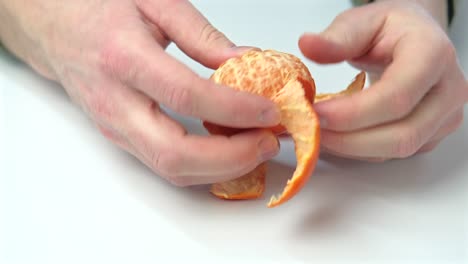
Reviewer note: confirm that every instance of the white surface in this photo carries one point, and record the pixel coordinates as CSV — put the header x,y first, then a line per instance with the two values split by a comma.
x,y
69,196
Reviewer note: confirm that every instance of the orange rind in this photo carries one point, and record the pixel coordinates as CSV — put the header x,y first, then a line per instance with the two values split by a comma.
x,y
284,79
353,87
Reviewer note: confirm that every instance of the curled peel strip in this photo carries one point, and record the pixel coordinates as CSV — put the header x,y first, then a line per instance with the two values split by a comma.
x,y
285,80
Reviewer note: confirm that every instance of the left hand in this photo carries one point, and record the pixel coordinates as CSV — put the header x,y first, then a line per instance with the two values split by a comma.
x,y
419,92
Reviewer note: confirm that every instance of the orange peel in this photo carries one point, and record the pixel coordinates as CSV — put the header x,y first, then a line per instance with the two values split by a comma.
x,y
353,87
285,80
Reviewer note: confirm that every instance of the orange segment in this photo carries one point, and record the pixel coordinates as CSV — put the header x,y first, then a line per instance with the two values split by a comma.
x,y
249,186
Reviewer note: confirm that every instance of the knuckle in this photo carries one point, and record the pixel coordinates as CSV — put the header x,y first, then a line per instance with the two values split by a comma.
x,y
459,118
107,133
101,107
347,120
210,34
179,181
456,122
428,147
408,142
115,58
338,30
339,26
114,136
401,104
167,163
245,161
447,51
334,141
344,17
179,99
339,142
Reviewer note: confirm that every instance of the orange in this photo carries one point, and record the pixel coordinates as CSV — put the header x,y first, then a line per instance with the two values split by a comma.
x,y
285,80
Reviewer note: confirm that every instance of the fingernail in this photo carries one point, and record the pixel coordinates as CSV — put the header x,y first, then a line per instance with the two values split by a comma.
x,y
269,147
270,116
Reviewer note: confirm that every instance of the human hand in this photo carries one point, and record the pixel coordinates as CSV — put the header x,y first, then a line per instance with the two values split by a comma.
x,y
419,90
110,58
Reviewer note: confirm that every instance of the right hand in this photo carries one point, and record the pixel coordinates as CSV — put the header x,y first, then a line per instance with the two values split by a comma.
x,y
110,58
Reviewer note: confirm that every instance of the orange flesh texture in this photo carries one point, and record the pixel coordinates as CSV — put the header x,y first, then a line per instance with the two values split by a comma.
x,y
297,116
249,186
285,80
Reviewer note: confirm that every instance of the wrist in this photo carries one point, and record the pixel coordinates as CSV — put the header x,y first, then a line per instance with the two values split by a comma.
x,y
20,34
9,32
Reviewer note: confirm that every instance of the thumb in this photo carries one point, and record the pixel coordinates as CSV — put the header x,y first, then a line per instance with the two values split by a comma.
x,y
191,31
349,36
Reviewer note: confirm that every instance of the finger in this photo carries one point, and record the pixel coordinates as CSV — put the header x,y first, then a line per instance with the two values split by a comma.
x,y
429,146
183,159
401,139
327,153
353,36
113,136
145,66
394,95
452,123
107,106
218,158
349,36
191,31
143,129
190,160
120,141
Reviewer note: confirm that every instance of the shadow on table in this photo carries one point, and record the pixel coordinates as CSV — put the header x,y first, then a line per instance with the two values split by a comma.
x,y
335,191
348,183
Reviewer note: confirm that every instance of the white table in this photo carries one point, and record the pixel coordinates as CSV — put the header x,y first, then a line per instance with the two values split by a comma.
x,y
67,195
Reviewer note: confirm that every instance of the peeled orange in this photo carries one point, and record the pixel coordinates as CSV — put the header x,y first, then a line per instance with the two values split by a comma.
x,y
285,80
